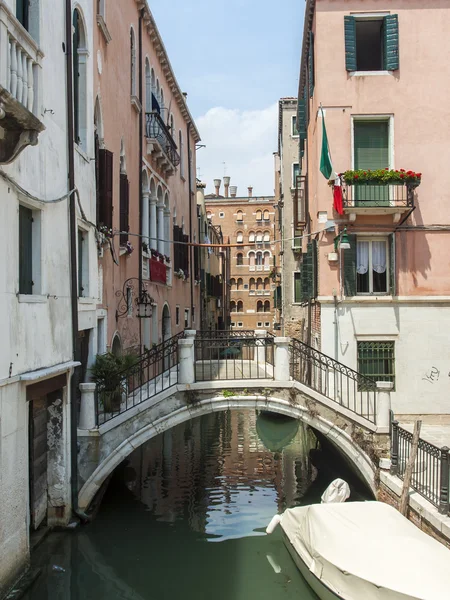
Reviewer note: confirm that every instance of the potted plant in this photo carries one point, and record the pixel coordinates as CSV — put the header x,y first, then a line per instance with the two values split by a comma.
x,y
380,177
108,372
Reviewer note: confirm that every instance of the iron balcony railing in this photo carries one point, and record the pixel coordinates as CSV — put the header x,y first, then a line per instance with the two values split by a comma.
x,y
154,371
232,355
156,129
334,380
365,195
430,477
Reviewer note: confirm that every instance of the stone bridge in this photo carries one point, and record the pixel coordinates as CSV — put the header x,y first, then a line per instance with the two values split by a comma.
x,y
195,376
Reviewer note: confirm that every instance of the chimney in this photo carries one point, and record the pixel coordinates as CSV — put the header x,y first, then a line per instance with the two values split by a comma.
x,y
233,191
226,183
217,183
250,191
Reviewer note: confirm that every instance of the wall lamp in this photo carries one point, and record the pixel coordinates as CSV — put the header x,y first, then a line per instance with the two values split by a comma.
x,y
342,240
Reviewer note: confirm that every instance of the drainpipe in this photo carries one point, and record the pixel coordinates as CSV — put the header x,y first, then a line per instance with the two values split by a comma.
x,y
74,380
141,134
191,238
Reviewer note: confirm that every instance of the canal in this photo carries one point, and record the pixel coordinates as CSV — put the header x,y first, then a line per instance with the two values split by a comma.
x,y
184,516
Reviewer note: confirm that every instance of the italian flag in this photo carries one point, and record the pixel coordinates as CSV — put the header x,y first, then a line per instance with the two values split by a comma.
x,y
326,168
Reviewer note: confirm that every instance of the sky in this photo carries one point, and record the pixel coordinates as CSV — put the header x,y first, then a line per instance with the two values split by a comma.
x,y
234,59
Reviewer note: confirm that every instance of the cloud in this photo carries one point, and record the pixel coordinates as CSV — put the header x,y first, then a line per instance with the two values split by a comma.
x,y
245,142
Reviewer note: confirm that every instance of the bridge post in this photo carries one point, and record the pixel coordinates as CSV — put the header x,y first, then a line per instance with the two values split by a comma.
x,y
383,404
186,352
260,349
282,361
88,418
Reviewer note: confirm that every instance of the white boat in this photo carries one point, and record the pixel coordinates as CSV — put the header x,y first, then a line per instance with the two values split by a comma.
x,y
364,551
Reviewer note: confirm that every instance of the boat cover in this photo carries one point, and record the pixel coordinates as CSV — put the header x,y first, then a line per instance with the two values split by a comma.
x,y
368,551
337,491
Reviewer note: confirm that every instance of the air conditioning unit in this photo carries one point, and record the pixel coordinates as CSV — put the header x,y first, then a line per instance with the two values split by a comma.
x,y
277,326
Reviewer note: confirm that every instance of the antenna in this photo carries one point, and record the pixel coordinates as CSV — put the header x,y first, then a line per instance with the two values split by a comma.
x,y
224,168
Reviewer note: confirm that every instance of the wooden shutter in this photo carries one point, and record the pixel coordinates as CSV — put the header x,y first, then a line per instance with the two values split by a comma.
x,y
371,144
350,267
106,188
311,64
297,287
309,273
350,43
81,250
301,118
25,250
392,269
390,42
124,208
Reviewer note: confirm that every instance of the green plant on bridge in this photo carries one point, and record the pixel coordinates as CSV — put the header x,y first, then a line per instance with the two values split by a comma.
x,y
228,393
109,373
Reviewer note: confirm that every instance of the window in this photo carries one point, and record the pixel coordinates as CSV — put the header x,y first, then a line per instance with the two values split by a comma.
x,y
266,215
267,306
186,318
239,215
232,306
27,13
83,265
266,284
124,209
239,259
372,267
239,283
259,306
259,324
294,130
240,306
233,324
259,215
266,237
297,287
371,44
240,237
259,259
251,260
266,259
177,315
259,237
371,151
101,8
252,283
232,283
377,360
29,250
267,324
240,324
251,237
221,215
105,188
295,174
79,79
208,215
259,284
181,152
245,286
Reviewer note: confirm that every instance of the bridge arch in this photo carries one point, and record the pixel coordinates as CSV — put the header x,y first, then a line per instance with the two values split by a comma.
x,y
338,437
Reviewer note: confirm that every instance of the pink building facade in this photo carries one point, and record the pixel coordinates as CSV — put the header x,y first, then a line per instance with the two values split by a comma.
x,y
145,151
381,306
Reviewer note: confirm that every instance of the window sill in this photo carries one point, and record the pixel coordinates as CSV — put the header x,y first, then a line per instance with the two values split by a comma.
x,y
32,299
86,300
370,298
369,73
103,28
136,104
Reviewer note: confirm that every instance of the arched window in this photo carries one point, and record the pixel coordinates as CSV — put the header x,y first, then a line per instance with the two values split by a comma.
x,y
259,259
259,237
258,215
259,283
239,258
239,215
252,283
267,236
232,306
240,237
259,306
132,63
148,87
251,259
266,259
232,283
172,126
162,101
240,306
266,215
158,95
251,237
239,283
181,152
79,79
266,284
267,306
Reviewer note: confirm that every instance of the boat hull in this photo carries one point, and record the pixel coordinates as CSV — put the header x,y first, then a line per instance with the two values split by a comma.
x,y
323,592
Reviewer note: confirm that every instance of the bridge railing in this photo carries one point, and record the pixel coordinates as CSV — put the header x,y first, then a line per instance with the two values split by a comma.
x,y
334,380
154,371
232,355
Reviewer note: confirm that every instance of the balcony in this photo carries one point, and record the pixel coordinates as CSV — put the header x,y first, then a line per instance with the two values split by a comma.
x,y
160,144
20,78
377,199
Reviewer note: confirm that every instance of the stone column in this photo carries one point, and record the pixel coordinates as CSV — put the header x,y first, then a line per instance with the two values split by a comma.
x,y
167,231
153,232
186,371
383,411
282,359
145,217
87,406
160,208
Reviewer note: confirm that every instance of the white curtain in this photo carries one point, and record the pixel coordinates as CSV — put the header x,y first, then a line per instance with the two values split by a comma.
x,y
362,257
379,257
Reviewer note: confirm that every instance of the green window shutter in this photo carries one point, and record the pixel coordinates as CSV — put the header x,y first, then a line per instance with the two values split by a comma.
x,y
308,279
390,39
311,64
314,267
392,269
25,250
297,287
301,118
350,267
350,43
371,144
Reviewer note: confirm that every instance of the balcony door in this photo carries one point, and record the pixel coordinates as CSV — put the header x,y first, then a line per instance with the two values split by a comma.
x,y
22,12
371,151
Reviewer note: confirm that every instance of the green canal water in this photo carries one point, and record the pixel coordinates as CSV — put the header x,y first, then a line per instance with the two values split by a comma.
x,y
184,516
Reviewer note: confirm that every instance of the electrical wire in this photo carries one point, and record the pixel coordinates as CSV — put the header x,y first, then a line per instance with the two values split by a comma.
x,y
24,192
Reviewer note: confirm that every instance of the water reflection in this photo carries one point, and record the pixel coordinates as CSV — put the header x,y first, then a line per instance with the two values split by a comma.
x,y
185,516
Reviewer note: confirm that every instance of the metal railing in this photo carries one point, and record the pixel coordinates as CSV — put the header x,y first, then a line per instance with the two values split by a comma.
x,y
231,355
156,129
334,380
430,477
154,371
365,195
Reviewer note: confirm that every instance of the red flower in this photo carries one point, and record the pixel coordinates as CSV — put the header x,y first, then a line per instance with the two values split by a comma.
x,y
387,169
402,170
365,172
401,176
419,175
356,176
